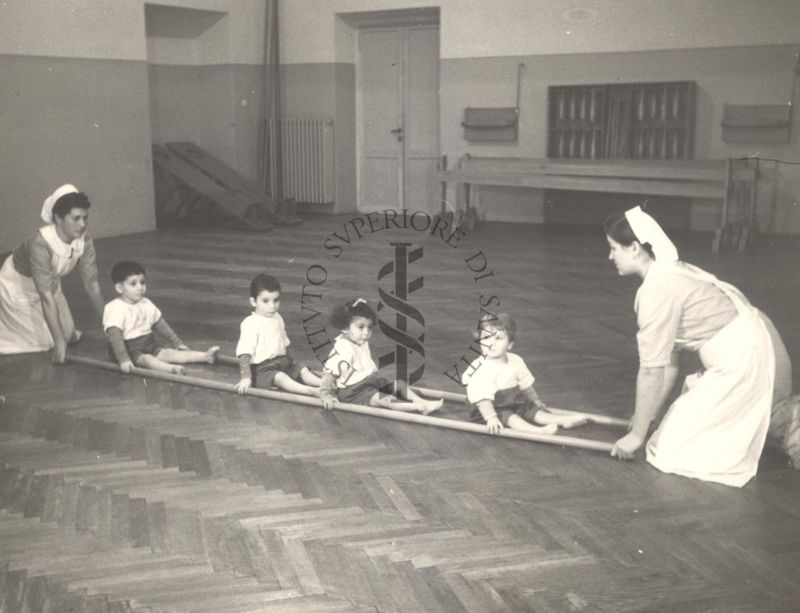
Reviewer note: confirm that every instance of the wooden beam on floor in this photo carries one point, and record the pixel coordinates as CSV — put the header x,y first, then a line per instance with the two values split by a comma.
x,y
439,422
595,418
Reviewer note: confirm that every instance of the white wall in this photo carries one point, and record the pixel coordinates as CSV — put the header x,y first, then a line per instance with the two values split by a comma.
x,y
734,75
738,52
472,28
75,104
74,109
481,28
107,29
50,108
208,88
235,39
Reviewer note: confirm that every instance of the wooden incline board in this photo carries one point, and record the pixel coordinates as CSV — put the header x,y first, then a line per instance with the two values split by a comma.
x,y
202,187
225,175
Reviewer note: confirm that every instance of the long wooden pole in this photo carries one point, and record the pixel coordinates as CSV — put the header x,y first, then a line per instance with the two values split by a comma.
x,y
595,418
439,422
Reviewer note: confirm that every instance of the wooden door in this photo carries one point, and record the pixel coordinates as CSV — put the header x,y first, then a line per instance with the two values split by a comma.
x,y
398,82
421,120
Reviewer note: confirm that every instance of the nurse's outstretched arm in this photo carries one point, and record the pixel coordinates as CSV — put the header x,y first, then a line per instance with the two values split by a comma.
x,y
653,385
53,321
87,268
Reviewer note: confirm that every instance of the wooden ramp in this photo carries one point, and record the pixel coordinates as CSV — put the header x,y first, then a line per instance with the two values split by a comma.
x,y
278,213
185,193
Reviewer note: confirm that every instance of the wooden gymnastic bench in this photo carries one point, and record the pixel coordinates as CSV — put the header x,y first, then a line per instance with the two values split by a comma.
x,y
710,179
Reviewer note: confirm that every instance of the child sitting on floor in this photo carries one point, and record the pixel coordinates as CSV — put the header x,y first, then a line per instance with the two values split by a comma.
x,y
129,321
351,376
500,386
263,347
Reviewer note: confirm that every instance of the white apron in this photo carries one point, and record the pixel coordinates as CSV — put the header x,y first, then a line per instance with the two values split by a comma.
x,y
715,431
22,325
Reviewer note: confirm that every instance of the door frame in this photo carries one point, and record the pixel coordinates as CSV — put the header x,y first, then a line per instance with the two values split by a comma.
x,y
387,20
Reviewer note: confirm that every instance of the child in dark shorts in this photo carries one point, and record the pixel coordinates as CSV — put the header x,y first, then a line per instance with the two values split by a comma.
x,y
129,321
263,347
500,388
351,376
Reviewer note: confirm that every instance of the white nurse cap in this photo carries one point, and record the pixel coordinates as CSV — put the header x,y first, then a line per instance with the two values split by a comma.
x,y
647,230
50,201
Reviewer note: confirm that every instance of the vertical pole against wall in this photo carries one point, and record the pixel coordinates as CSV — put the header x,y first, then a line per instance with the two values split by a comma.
x,y
272,104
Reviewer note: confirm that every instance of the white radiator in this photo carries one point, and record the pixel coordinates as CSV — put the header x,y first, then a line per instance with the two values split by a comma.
x,y
306,158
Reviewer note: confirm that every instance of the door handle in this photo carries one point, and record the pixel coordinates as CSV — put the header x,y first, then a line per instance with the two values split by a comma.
x,y
398,132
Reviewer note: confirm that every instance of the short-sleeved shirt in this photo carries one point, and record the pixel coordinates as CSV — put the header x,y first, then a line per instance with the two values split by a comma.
x,y
485,377
134,320
677,311
263,338
345,355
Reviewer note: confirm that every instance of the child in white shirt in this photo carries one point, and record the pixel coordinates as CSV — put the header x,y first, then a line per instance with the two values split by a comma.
x,y
129,321
500,386
350,375
263,347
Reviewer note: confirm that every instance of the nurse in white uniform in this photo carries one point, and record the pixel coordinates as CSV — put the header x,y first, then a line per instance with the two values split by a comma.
x,y
34,314
715,430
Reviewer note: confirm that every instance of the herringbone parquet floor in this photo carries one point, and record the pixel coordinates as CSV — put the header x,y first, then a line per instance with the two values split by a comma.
x,y
122,494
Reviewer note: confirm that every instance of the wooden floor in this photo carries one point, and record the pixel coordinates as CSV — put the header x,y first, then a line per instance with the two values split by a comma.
x,y
124,494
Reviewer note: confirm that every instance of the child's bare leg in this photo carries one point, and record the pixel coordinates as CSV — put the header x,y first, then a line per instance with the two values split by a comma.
x,y
388,401
153,363
188,356
309,378
515,422
286,383
565,421
428,406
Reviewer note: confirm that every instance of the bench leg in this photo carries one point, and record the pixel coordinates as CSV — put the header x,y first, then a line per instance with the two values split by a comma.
x,y
717,240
